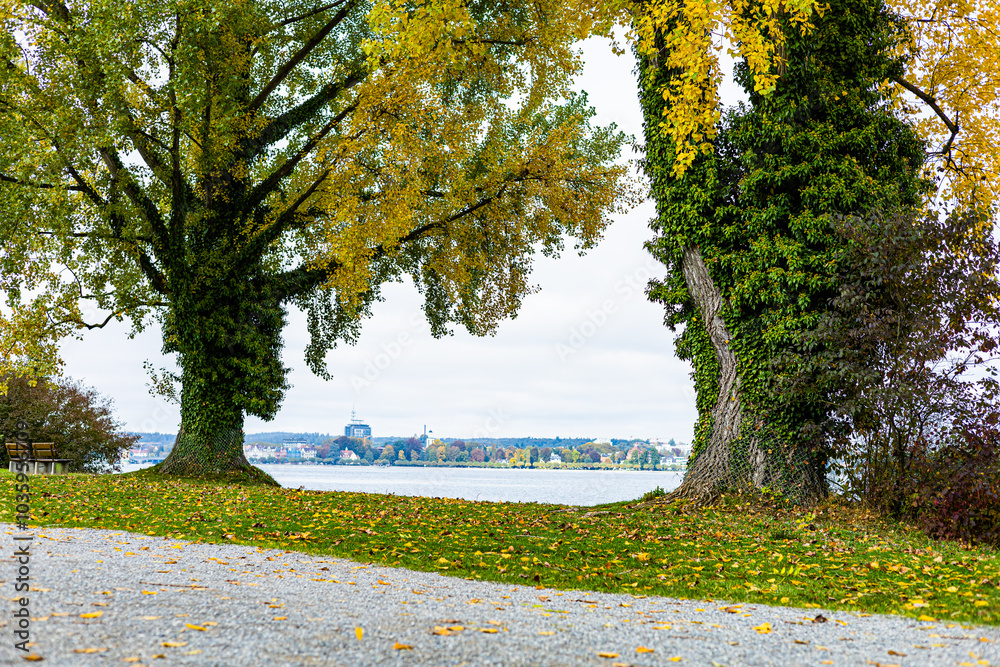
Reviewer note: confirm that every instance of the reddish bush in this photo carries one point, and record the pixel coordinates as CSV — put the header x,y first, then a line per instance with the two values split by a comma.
x,y
956,489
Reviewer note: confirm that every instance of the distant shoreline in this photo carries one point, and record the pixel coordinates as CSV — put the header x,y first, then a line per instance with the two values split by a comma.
x,y
472,464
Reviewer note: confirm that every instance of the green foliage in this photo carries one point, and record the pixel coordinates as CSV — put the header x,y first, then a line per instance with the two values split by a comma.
x,y
658,492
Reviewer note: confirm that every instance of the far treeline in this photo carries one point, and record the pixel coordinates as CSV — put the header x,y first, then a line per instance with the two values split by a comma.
x,y
828,250
509,451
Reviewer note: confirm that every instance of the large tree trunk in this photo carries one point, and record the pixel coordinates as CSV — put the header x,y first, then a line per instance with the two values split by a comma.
x,y
710,470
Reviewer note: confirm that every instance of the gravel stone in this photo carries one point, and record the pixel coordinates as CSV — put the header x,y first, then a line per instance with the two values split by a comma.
x,y
252,606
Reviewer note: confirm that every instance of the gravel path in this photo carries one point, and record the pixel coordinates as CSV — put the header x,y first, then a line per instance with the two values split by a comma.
x,y
170,602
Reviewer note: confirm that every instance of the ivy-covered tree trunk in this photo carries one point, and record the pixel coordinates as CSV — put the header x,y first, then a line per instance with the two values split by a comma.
x,y
752,255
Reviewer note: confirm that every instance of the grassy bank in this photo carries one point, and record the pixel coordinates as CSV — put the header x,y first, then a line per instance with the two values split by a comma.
x,y
835,557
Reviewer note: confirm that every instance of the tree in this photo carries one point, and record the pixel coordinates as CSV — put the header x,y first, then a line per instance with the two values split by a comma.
x,y
414,448
746,235
477,455
78,420
388,454
285,154
906,351
544,453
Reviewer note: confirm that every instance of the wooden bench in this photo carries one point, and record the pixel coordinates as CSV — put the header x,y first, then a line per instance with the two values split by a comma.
x,y
42,459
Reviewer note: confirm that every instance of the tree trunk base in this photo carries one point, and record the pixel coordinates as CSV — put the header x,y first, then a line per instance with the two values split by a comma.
x,y
220,459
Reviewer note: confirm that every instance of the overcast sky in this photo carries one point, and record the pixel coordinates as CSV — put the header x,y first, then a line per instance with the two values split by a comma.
x,y
588,356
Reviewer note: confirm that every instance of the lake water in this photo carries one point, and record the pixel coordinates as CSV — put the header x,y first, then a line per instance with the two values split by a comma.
x,y
510,485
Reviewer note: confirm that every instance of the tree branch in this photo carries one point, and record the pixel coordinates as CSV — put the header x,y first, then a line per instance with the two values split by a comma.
x,y
299,56
932,103
257,195
280,127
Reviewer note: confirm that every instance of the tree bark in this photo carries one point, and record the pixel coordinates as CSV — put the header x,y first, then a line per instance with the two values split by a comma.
x,y
710,471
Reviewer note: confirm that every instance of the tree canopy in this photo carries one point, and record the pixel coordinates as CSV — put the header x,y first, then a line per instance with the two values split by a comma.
x,y
211,163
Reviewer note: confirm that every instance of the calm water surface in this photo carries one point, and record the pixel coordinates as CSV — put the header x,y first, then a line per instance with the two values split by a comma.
x,y
510,485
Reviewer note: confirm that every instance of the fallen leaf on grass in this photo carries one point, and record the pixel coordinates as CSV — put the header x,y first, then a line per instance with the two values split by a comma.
x,y
402,647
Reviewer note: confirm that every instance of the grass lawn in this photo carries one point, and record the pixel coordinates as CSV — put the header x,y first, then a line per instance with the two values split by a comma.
x,y
836,557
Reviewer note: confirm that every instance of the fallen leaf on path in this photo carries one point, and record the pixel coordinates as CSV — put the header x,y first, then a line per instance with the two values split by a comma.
x,y
488,630
191,626
32,657
605,654
92,614
90,650
763,629
402,647
644,649
174,644
359,632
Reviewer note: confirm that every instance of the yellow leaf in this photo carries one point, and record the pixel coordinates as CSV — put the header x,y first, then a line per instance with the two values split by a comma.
x,y
402,647
546,632
149,592
33,657
605,654
92,614
174,644
980,603
359,632
280,618
643,649
488,630
924,617
676,658
89,650
194,627
763,629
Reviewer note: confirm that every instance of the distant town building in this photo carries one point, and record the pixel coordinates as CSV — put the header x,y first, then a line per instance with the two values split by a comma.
x,y
357,428
348,455
555,458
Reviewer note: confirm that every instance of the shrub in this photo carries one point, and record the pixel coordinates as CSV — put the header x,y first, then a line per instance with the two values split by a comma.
x,y
956,488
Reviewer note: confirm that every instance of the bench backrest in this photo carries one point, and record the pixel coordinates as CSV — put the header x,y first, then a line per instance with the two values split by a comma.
x,y
38,450
44,450
14,449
